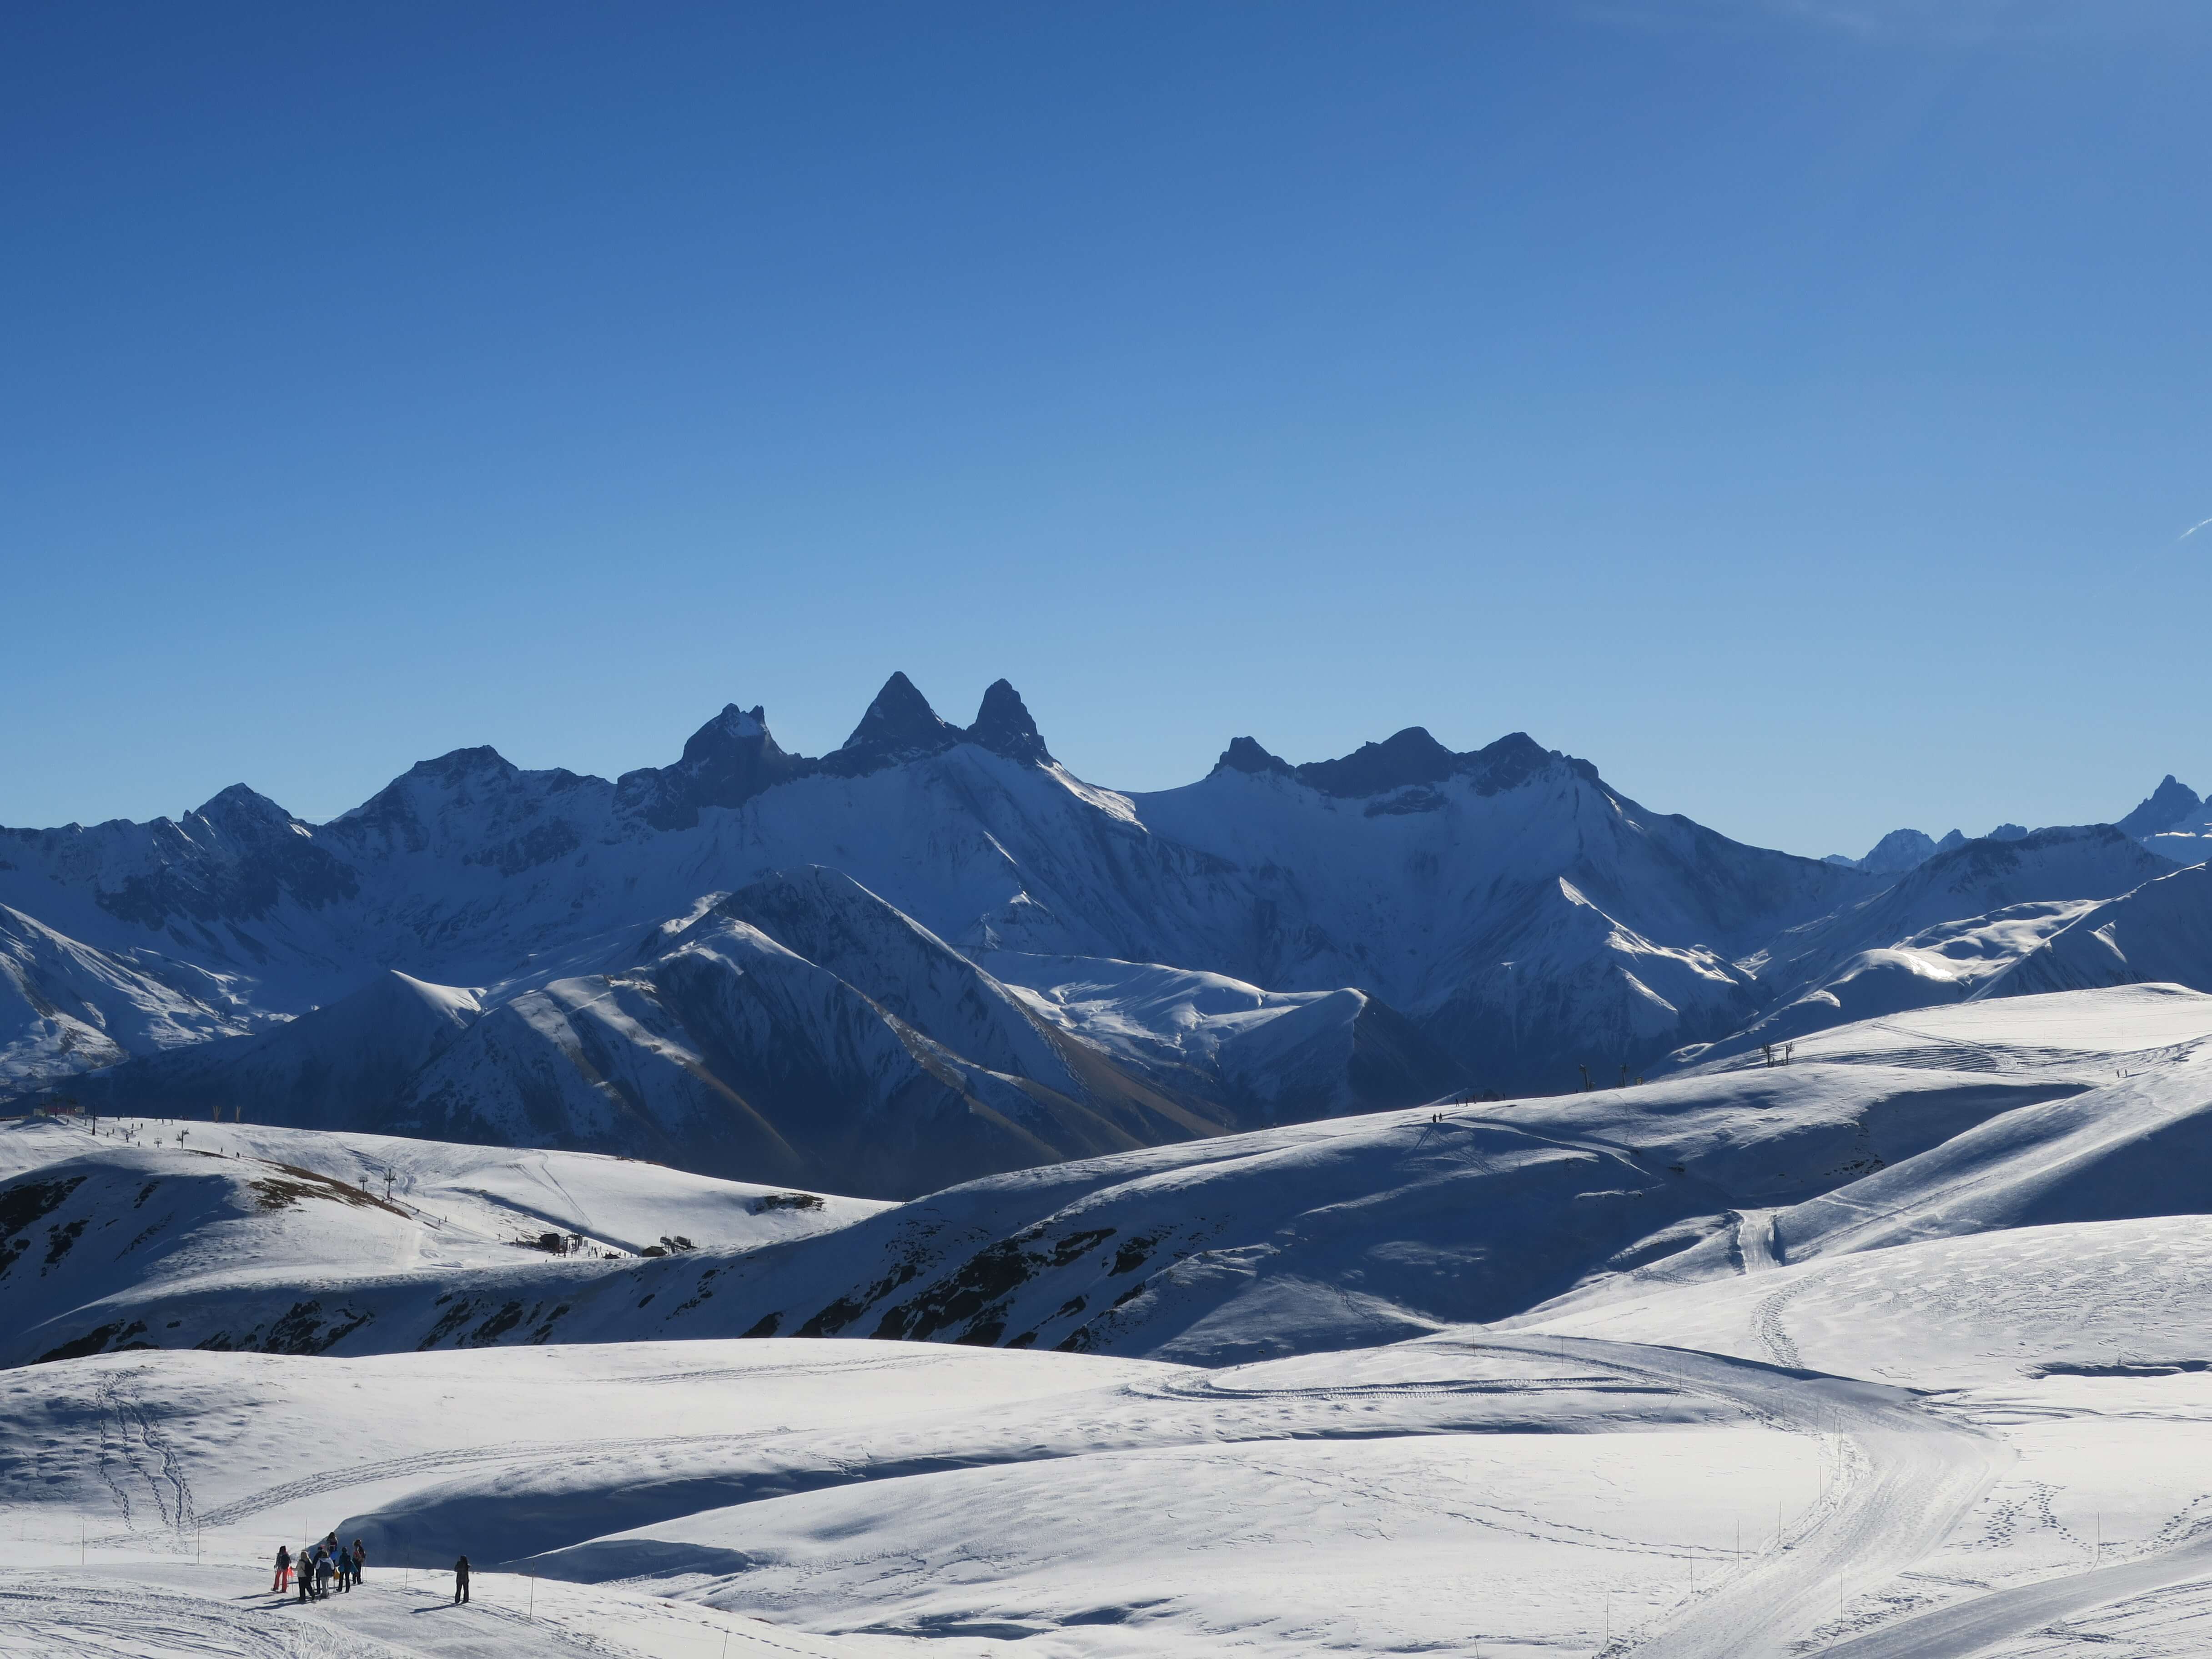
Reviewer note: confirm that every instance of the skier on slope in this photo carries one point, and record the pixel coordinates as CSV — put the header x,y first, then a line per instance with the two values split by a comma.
x,y
324,1569
306,1574
360,1559
283,1570
460,1581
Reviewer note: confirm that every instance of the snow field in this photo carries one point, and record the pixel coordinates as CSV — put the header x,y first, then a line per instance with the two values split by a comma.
x,y
1898,1316
2089,1034
863,1496
152,1608
1989,1310
1517,1541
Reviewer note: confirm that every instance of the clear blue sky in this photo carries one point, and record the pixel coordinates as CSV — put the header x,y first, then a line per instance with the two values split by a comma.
x,y
1792,407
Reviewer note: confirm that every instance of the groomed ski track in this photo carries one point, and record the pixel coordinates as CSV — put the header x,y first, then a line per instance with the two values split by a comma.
x,y
1970,1627
1913,1477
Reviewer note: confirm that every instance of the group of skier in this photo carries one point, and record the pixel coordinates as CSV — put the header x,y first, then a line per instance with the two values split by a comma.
x,y
318,1566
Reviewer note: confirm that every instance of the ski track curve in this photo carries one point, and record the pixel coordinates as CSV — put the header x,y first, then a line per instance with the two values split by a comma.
x,y
1921,1474
2016,1610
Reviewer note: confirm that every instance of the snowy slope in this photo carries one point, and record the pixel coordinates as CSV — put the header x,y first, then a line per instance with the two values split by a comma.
x,y
1350,1231
1899,1349
2083,1035
67,1008
335,1067
1520,1493
1980,1310
1269,1056
2160,933
712,1046
1946,932
1525,914
98,1232
1982,877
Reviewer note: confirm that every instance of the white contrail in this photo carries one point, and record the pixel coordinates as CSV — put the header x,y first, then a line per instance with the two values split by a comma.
x,y
2193,529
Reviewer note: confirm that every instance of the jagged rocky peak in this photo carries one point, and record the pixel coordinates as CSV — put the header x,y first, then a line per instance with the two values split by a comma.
x,y
1245,755
899,726
1408,759
241,809
726,762
453,771
734,756
458,765
1898,851
733,726
2164,808
1003,726
1409,756
1513,759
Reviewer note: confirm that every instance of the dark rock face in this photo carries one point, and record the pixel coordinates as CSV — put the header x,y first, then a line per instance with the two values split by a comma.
x,y
1411,756
237,858
734,758
1245,755
1003,726
1513,760
1409,759
2166,807
726,763
899,726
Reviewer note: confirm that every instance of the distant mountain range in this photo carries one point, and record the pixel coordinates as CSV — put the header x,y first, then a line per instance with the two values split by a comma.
x,y
934,953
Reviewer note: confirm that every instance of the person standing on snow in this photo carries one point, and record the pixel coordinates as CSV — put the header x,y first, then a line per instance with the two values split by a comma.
x,y
460,1581
323,1571
306,1574
283,1569
360,1559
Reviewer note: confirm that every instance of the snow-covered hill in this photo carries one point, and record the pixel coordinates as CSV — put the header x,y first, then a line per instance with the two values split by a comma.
x,y
2161,931
98,1232
1342,1232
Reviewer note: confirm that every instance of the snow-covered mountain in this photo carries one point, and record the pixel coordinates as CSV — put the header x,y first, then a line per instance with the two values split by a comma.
x,y
66,1007
935,953
1943,933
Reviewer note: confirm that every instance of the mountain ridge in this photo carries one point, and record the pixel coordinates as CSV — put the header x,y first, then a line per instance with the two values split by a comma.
x,y
1406,922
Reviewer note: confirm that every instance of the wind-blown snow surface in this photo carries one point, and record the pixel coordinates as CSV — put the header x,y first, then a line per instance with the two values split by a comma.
x,y
1904,1349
